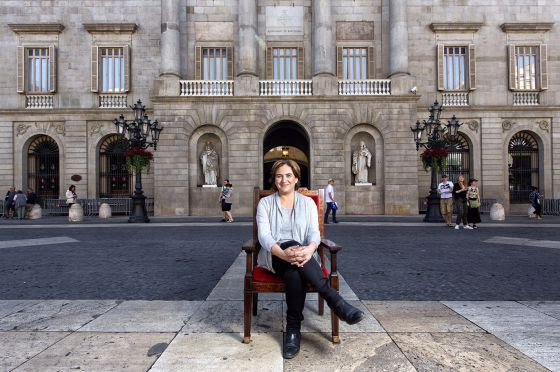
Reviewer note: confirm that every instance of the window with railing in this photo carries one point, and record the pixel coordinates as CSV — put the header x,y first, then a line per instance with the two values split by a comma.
x,y
38,67
454,67
214,64
525,68
456,73
112,70
354,63
110,74
284,64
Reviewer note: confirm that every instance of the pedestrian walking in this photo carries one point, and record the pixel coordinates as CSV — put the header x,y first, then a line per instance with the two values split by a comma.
x,y
445,191
460,200
288,232
473,199
331,203
225,200
9,208
535,199
71,196
20,202
31,200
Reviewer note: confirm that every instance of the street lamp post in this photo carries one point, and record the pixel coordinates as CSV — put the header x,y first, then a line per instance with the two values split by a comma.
x,y
437,137
137,132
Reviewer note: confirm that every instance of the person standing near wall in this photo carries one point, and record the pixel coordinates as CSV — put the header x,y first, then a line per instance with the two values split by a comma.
x,y
460,198
445,191
9,203
71,196
331,203
535,199
473,198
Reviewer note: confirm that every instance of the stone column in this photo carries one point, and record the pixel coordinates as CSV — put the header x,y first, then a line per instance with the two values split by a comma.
x,y
401,82
247,81
170,49
324,52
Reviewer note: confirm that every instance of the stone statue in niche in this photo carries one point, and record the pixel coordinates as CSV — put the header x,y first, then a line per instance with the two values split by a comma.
x,y
361,161
210,169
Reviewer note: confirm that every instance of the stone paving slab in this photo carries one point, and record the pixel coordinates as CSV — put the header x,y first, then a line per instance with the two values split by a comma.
x,y
418,316
56,315
313,322
356,352
18,347
101,352
8,307
232,289
227,317
543,347
551,308
144,316
462,352
222,352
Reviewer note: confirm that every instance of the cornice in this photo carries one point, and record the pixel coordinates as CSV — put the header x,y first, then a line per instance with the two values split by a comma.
x,y
36,28
117,28
527,27
456,26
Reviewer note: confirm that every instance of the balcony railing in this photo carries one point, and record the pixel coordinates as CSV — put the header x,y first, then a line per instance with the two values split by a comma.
x,y
525,98
455,99
286,87
39,101
206,88
112,101
380,87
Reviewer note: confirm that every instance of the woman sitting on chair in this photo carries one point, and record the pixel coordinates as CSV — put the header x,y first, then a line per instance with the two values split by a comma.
x,y
288,231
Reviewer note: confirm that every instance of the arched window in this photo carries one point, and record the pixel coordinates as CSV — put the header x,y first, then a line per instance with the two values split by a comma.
x,y
43,167
114,176
459,160
523,164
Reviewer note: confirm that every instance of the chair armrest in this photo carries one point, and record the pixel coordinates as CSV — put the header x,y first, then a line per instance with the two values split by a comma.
x,y
330,245
250,246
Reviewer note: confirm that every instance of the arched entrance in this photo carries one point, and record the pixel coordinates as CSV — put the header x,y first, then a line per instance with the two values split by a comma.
x,y
458,160
523,164
286,140
43,167
114,176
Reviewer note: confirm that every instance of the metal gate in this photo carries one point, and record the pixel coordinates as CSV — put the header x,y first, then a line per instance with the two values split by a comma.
x,y
43,167
523,163
458,160
114,176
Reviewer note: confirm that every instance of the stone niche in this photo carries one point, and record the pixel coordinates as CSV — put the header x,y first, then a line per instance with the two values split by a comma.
x,y
370,144
213,140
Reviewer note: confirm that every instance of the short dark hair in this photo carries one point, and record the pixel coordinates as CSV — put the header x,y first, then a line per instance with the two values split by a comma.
x,y
279,163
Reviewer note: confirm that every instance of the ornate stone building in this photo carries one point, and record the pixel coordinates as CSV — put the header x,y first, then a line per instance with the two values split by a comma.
x,y
260,80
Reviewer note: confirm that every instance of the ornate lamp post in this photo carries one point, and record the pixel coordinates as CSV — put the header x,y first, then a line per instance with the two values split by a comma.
x,y
137,132
439,140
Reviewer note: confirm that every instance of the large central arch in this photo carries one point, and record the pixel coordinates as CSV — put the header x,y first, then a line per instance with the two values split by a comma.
x,y
286,140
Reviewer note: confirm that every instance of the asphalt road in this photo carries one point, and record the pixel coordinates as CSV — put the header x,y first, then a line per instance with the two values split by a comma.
x,y
185,263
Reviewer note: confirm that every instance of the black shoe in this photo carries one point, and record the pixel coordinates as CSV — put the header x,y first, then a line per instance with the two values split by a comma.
x,y
335,221
292,340
348,313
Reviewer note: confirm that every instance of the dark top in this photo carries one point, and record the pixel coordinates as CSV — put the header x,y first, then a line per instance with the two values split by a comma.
x,y
461,196
10,197
31,198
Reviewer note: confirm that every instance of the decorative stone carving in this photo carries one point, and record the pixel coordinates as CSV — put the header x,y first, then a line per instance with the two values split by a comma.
x,y
497,212
507,125
21,128
472,125
105,210
59,128
95,128
361,161
544,125
210,166
76,213
36,212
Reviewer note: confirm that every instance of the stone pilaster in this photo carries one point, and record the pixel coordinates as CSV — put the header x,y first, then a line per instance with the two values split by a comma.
x,y
170,50
401,81
247,80
324,64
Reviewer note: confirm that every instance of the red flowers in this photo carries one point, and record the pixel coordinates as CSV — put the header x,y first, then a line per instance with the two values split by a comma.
x,y
138,159
135,151
434,158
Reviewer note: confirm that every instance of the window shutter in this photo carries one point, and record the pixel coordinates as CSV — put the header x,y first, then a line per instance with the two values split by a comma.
x,y
300,64
20,69
94,68
472,67
371,63
543,67
229,54
197,63
511,57
269,68
339,63
52,63
126,52
440,72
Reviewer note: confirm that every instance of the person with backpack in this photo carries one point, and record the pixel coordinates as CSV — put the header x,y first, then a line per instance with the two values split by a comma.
x,y
473,200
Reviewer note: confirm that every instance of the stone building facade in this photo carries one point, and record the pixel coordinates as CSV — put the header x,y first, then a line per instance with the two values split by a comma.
x,y
260,80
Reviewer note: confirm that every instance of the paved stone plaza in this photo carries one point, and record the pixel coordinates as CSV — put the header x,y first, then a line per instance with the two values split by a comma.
x,y
168,297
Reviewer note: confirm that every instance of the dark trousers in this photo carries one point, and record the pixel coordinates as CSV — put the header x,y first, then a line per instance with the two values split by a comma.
x,y
462,212
330,208
296,280
538,209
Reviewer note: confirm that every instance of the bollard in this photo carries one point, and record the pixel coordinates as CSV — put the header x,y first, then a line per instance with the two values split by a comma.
x,y
497,212
36,212
76,213
104,210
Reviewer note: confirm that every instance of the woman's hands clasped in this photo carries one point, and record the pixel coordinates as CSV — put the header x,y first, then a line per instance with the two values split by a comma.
x,y
299,255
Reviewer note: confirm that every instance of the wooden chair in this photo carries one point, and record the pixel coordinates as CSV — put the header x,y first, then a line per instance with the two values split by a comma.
x,y
260,280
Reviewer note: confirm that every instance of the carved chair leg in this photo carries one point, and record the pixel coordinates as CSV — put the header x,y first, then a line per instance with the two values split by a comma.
x,y
321,304
248,299
255,303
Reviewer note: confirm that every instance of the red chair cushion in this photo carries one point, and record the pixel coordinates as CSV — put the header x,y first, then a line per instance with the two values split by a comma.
x,y
260,274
